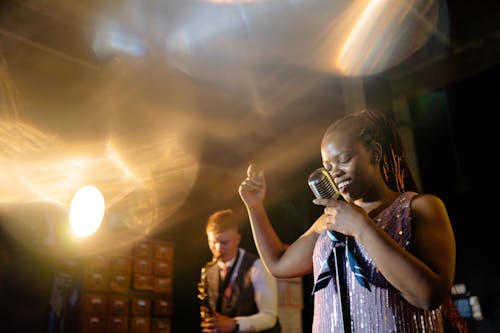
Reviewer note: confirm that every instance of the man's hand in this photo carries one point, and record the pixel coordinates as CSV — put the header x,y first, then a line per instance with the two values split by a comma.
x,y
218,324
225,324
208,325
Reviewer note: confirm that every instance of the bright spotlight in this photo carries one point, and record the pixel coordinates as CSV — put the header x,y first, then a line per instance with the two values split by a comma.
x,y
86,211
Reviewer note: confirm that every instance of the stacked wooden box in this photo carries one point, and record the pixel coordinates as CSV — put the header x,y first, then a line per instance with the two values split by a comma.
x,y
128,292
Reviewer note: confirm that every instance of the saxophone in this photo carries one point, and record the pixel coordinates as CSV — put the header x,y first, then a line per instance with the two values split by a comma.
x,y
206,310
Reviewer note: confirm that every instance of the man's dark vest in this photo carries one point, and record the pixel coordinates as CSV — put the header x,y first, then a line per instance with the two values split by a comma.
x,y
242,299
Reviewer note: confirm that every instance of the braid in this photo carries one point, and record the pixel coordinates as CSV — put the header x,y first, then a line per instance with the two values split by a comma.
x,y
369,126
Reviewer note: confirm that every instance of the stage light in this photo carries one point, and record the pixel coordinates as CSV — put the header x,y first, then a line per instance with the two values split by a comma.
x,y
86,211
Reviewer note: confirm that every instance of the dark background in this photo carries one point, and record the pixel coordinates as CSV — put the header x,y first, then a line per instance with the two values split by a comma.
x,y
452,96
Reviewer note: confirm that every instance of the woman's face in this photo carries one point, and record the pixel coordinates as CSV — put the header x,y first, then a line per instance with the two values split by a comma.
x,y
350,163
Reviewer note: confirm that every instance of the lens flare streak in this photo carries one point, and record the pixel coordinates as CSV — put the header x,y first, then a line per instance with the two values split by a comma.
x,y
42,174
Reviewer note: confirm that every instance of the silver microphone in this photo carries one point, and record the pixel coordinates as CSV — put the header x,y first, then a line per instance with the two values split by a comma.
x,y
322,185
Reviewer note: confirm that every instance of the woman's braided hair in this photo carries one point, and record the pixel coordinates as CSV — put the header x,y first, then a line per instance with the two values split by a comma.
x,y
370,126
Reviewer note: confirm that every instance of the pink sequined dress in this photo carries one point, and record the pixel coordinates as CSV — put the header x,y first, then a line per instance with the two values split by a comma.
x,y
382,309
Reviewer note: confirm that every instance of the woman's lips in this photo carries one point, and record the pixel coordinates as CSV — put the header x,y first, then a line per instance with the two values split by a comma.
x,y
342,184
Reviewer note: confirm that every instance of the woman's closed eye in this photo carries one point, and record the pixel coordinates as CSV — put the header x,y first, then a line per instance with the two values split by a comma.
x,y
339,160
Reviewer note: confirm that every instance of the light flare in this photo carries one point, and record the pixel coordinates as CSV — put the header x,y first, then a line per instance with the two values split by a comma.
x,y
42,173
382,34
86,211
234,1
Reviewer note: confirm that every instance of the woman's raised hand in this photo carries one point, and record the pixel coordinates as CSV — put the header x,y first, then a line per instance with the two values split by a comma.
x,y
253,189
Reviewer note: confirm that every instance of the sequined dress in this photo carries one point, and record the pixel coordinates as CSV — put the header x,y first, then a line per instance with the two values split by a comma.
x,y
382,309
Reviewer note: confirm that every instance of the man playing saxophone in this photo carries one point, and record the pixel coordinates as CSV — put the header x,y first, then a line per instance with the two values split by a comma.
x,y
241,293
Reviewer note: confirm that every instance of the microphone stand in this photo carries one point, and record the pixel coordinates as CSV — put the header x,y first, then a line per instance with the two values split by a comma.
x,y
337,279
341,291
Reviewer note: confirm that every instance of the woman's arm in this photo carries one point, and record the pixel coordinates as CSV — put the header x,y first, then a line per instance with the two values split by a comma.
x,y
281,261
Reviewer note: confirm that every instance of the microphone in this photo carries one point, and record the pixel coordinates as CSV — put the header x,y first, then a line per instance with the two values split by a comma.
x,y
322,185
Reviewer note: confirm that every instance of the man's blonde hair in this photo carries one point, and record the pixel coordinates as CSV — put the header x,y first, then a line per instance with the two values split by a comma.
x,y
222,220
